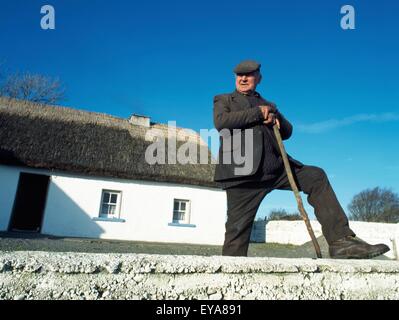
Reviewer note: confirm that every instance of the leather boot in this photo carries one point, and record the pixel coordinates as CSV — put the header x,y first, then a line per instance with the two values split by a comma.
x,y
353,248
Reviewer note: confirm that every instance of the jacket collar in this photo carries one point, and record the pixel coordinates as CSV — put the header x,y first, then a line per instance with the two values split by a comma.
x,y
235,93
240,98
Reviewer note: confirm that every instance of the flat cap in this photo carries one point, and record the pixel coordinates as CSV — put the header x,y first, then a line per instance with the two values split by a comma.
x,y
247,66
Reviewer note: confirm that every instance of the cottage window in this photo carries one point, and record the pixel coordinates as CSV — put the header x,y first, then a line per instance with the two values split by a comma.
x,y
110,204
181,211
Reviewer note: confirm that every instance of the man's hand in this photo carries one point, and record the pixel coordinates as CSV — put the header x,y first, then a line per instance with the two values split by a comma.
x,y
272,120
266,110
269,115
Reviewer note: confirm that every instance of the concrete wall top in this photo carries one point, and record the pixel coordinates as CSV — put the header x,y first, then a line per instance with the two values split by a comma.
x,y
50,275
37,261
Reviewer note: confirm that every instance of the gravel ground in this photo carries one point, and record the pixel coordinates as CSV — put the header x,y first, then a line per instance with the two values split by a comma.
x,y
39,242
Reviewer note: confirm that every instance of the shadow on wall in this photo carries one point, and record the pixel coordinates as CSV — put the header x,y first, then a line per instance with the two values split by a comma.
x,y
64,217
258,233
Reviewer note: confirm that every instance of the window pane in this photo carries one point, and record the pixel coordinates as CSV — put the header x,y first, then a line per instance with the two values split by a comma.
x,y
178,216
183,206
176,206
114,198
111,209
104,209
106,197
175,215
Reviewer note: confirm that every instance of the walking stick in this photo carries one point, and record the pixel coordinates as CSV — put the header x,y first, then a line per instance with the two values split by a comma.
x,y
295,189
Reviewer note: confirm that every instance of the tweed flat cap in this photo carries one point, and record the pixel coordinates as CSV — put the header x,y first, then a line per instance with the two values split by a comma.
x,y
247,66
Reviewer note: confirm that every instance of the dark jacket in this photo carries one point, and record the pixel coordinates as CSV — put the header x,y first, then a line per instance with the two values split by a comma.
x,y
234,111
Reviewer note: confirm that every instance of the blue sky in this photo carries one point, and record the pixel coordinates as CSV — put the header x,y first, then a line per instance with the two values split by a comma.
x,y
167,59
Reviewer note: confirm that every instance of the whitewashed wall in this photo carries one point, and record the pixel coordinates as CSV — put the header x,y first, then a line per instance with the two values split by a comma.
x,y
290,232
73,203
295,232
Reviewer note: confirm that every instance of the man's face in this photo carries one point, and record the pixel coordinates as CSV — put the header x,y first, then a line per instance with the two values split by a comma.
x,y
247,82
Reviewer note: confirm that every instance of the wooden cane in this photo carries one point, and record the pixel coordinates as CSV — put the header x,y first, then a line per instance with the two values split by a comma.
x,y
295,189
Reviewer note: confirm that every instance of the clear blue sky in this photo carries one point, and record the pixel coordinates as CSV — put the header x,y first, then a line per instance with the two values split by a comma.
x,y
167,59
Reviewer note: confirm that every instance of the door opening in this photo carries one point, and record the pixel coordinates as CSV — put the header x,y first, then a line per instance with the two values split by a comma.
x,y
29,203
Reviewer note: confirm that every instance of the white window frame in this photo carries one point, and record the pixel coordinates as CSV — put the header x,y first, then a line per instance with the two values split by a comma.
x,y
116,215
187,211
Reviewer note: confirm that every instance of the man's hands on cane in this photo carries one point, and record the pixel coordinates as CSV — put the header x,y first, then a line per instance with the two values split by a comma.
x,y
269,115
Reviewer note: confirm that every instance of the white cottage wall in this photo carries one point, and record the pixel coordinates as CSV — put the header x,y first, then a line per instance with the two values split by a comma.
x,y
73,206
146,208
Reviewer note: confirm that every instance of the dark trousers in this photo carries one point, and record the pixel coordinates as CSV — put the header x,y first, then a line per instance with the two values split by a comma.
x,y
243,202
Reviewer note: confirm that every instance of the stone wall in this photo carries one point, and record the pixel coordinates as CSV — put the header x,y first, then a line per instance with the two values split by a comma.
x,y
50,275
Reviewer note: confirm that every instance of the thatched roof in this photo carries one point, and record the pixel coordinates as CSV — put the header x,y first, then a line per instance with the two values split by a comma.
x,y
60,138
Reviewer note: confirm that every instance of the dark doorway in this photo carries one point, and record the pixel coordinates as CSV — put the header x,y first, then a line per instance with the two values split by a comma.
x,y
29,203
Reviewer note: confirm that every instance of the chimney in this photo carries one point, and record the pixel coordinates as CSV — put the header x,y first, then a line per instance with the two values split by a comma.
x,y
139,120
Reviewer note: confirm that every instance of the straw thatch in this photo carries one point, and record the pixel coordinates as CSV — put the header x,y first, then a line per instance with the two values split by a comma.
x,y
60,138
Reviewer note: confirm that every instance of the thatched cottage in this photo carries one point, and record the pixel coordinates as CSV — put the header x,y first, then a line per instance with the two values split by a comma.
x,y
67,172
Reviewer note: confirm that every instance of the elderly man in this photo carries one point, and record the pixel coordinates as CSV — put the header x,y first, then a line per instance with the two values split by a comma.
x,y
246,109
